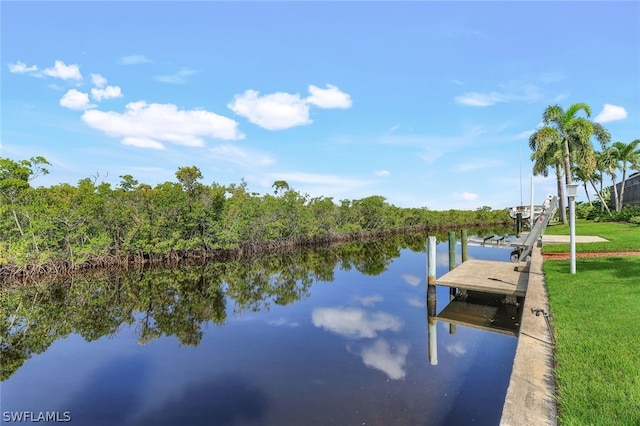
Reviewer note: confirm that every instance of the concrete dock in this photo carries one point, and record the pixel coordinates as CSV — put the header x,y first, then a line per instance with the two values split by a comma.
x,y
489,276
530,395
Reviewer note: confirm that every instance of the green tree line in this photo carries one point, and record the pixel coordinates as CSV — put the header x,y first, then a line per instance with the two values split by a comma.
x,y
65,227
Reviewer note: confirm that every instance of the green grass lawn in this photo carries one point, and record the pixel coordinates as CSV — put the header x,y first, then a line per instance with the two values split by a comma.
x,y
596,319
621,236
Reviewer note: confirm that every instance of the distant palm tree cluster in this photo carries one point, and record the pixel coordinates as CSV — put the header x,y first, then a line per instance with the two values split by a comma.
x,y
565,144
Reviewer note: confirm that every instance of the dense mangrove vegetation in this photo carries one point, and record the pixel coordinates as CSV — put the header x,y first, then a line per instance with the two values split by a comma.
x,y
67,227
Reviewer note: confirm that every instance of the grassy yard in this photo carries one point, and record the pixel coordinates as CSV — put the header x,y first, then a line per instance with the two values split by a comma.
x,y
621,236
596,319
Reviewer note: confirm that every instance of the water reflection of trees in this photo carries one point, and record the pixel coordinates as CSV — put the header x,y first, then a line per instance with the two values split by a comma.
x,y
173,302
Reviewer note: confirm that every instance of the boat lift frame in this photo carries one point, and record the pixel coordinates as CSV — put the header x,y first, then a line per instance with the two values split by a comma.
x,y
524,244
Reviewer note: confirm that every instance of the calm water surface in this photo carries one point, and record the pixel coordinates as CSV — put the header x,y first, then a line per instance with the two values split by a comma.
x,y
337,337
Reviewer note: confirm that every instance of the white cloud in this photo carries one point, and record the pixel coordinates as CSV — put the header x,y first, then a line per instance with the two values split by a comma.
x,y
465,196
98,80
370,300
560,97
415,302
63,71
22,68
355,322
149,125
393,128
178,78
281,110
510,92
610,113
76,100
133,60
380,357
241,157
276,111
433,147
480,99
383,173
142,143
102,91
108,92
456,349
411,279
283,322
331,97
525,134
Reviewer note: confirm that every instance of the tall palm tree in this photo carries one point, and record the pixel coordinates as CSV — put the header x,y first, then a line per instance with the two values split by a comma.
x,y
547,152
581,176
609,162
572,135
604,160
626,154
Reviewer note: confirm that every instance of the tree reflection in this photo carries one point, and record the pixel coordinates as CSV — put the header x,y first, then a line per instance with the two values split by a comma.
x,y
173,302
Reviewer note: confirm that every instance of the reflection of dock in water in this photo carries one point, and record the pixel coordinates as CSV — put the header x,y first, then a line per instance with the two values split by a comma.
x,y
485,312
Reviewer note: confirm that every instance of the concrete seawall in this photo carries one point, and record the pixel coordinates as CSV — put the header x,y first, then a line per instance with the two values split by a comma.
x,y
530,397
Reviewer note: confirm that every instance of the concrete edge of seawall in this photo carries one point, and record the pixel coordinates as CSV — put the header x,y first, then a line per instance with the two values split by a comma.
x,y
530,398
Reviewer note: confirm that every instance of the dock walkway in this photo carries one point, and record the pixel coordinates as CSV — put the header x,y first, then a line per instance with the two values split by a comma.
x,y
530,395
490,276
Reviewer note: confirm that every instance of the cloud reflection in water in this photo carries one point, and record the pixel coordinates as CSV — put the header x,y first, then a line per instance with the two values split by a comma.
x,y
456,349
381,356
411,279
370,300
356,323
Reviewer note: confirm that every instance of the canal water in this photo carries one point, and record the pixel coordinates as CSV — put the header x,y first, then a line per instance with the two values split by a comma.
x,y
326,337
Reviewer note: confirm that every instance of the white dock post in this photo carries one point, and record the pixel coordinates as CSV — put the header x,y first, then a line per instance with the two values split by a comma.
x,y
431,301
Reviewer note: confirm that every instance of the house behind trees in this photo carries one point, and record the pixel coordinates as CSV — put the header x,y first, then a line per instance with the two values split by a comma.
x,y
631,191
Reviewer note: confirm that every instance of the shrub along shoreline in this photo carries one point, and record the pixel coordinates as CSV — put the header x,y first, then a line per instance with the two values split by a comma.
x,y
243,251
594,315
65,228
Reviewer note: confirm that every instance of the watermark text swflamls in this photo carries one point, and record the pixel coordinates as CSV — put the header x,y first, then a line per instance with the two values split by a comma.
x,y
36,416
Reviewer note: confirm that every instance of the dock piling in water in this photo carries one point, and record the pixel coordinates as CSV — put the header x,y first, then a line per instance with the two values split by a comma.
x,y
452,265
432,338
464,245
452,250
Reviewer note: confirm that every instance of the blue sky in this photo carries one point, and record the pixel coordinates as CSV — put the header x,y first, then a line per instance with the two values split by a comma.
x,y
425,103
